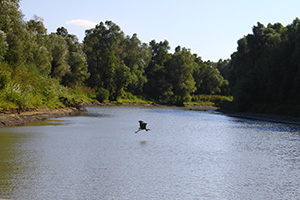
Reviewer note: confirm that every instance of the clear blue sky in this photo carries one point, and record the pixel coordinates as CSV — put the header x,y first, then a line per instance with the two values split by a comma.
x,y
210,28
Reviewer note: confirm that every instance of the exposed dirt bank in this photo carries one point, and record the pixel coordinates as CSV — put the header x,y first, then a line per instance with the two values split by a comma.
x,y
17,118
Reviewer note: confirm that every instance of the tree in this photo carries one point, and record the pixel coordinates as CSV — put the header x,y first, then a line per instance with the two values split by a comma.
x,y
16,33
3,45
208,78
181,67
76,59
42,60
79,71
59,50
137,57
103,46
158,86
36,26
41,56
265,69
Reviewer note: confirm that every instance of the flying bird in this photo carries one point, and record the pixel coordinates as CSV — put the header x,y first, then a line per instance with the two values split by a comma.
x,y
142,126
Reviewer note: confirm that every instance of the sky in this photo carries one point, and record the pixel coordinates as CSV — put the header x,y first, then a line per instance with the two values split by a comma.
x,y
209,28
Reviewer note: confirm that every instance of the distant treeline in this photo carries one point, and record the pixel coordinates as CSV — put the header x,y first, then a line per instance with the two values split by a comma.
x,y
40,69
118,64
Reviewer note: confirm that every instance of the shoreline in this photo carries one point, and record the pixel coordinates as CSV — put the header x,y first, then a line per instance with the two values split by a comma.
x,y
262,117
15,118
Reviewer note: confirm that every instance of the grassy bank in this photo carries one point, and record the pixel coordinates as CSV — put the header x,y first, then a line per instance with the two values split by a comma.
x,y
23,88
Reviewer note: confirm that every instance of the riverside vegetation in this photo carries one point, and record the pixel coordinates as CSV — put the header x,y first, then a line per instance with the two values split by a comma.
x,y
38,69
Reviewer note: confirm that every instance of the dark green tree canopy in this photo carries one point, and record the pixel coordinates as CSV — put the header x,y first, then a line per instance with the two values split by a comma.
x,y
265,69
180,68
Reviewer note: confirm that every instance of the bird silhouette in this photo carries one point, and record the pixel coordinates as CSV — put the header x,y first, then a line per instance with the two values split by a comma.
x,y
142,126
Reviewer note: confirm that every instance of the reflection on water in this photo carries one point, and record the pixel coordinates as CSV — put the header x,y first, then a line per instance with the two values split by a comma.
x,y
143,142
186,155
50,122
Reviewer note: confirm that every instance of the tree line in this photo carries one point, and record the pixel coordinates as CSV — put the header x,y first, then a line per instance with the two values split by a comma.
x,y
110,62
265,70
118,64
37,68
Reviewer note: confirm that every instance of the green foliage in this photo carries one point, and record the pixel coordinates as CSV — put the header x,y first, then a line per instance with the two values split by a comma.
x,y
82,94
265,69
102,46
79,72
102,95
10,24
158,86
137,57
174,78
5,77
25,88
115,62
3,45
59,51
180,69
16,87
76,59
208,78
43,59
40,69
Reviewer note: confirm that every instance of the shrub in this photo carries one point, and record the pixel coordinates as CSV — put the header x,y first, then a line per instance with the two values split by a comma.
x,y
102,94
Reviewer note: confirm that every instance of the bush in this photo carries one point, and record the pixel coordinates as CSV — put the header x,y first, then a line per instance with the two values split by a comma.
x,y
102,94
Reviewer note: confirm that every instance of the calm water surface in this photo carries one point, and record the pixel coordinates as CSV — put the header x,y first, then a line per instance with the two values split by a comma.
x,y
186,155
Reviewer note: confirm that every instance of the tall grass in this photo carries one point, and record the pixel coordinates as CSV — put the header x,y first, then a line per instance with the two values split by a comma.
x,y
25,87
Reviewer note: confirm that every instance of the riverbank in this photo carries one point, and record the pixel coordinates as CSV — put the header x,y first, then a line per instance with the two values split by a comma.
x,y
14,117
264,117
17,118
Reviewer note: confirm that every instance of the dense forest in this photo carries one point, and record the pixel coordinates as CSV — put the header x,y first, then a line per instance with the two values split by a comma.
x,y
120,64
38,69
265,70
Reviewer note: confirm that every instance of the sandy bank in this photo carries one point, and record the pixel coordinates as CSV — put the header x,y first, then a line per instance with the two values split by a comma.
x,y
15,118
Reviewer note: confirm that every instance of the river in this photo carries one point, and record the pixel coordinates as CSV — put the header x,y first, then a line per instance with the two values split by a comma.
x,y
187,154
